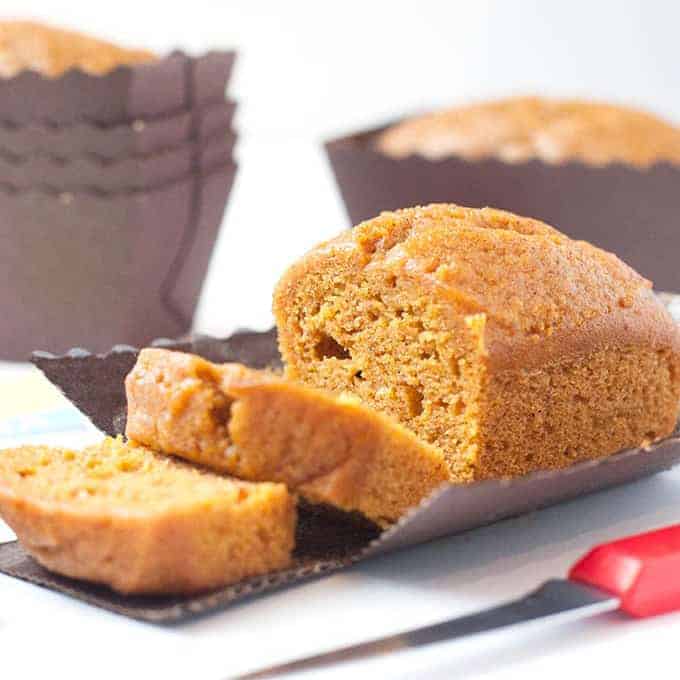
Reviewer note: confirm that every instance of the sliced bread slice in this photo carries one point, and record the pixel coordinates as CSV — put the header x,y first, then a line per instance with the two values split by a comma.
x,y
254,425
140,522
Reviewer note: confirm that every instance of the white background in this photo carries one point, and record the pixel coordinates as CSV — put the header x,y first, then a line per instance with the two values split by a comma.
x,y
309,71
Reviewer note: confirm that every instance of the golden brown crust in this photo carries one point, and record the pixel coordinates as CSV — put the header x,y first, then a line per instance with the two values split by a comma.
x,y
26,45
257,426
138,522
554,131
440,310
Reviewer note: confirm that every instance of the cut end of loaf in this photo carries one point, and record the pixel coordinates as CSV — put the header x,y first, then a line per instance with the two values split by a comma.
x,y
353,320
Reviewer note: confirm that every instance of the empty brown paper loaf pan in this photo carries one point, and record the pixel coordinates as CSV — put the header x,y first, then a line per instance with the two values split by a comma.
x,y
630,212
124,94
91,270
326,540
138,138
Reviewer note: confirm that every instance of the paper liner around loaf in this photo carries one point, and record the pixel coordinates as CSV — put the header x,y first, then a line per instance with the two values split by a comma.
x,y
326,541
94,384
625,210
124,94
139,138
119,175
88,269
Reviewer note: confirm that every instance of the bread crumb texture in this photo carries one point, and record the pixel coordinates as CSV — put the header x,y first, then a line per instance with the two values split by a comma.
x,y
122,515
26,45
252,424
518,129
491,336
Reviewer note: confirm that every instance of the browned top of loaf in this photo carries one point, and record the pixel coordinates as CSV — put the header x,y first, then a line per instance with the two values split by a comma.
x,y
25,45
554,131
541,294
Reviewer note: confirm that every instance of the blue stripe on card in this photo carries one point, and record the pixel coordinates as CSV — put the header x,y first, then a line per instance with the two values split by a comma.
x,y
62,420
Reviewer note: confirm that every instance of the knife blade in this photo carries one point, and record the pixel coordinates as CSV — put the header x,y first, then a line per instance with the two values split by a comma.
x,y
638,575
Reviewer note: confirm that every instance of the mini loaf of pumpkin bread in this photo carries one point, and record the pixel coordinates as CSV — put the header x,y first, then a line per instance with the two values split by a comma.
x,y
257,426
139,522
26,45
492,336
551,130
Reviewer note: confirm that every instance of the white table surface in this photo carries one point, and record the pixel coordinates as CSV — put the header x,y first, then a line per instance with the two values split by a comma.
x,y
306,72
43,633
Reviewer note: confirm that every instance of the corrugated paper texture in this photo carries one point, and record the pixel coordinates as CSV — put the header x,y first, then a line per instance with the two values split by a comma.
x,y
135,173
628,211
138,138
326,540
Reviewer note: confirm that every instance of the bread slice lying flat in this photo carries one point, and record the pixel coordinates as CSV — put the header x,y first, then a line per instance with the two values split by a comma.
x,y
139,522
256,426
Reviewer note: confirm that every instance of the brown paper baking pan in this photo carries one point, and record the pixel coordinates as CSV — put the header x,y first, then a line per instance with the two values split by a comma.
x,y
122,95
326,540
139,138
628,211
90,269
121,174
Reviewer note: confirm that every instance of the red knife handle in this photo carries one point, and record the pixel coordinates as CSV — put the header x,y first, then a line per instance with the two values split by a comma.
x,y
643,571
